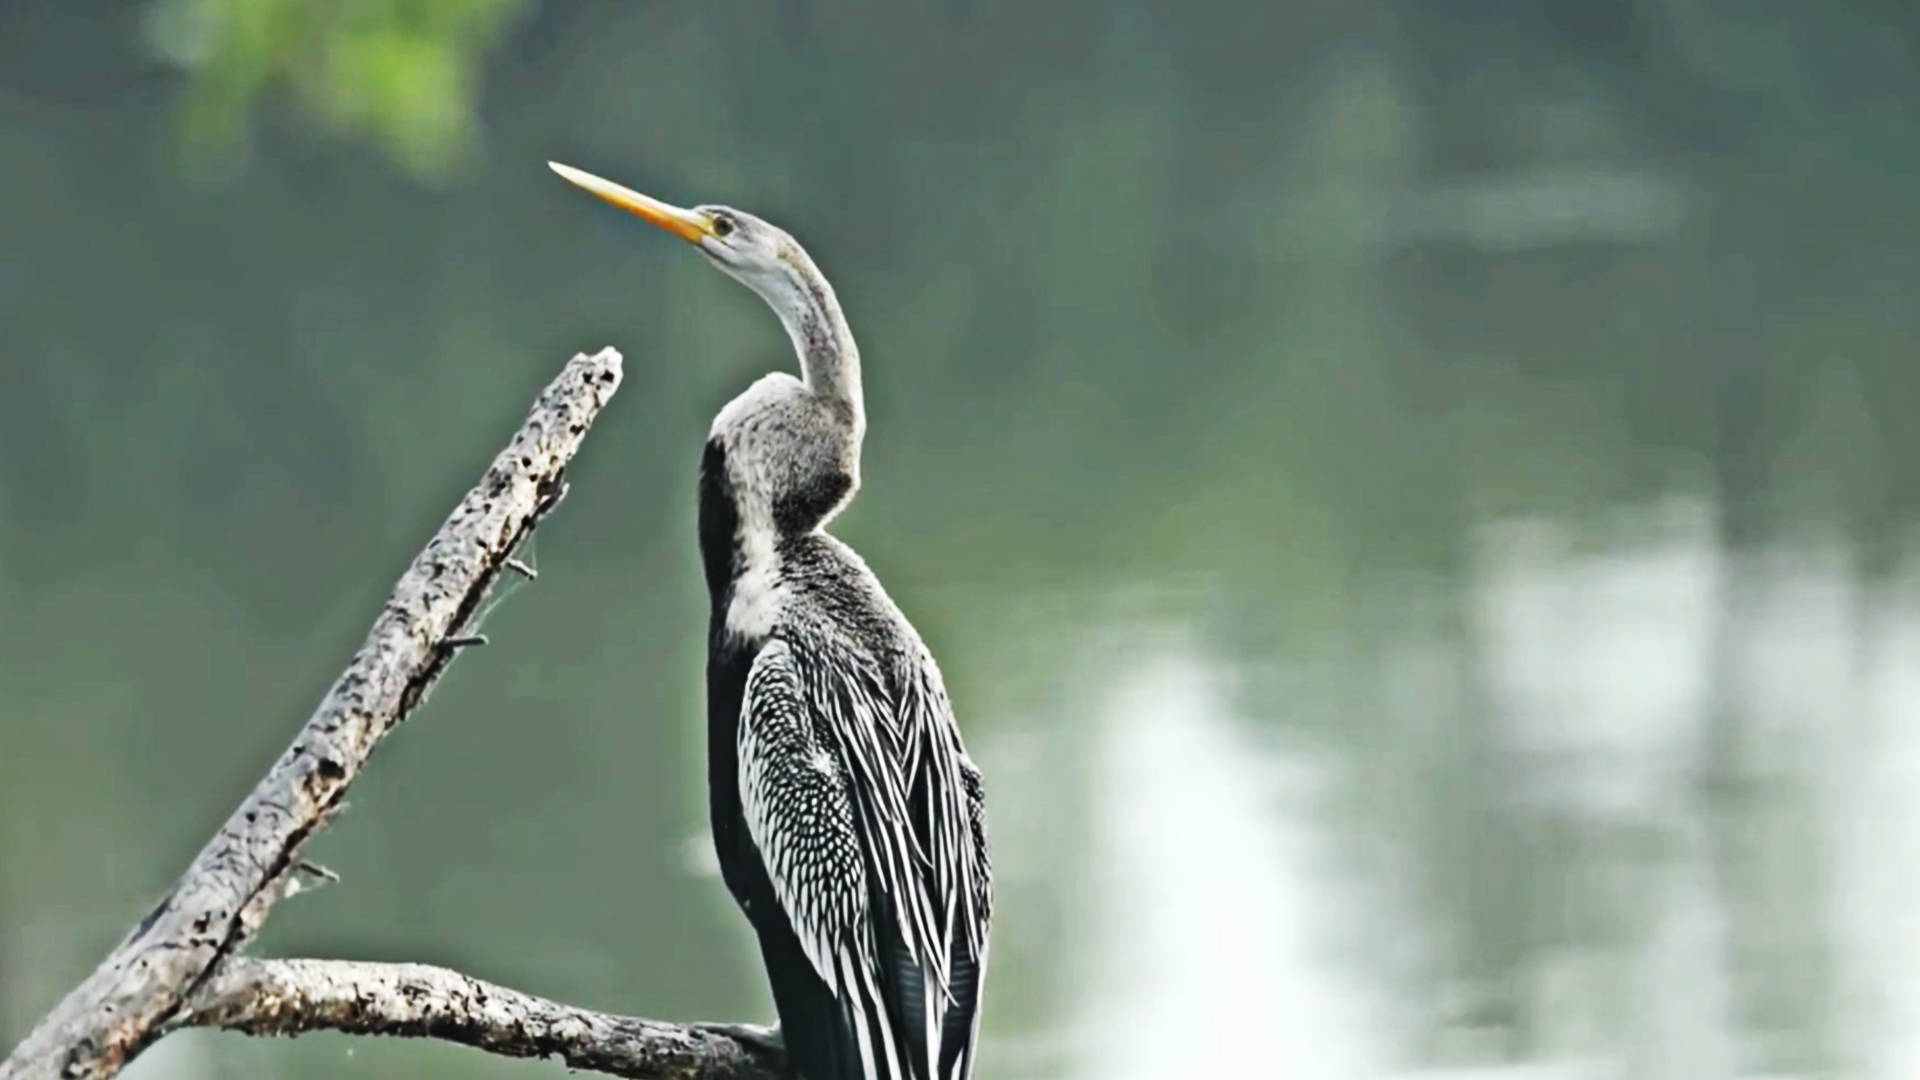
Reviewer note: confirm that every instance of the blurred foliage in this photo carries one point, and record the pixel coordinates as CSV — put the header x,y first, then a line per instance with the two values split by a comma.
x,y
403,72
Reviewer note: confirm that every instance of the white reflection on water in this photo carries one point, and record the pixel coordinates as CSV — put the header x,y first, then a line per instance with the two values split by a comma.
x,y
1202,931
1703,810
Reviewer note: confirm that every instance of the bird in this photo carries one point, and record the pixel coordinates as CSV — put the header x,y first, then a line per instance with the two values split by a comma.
x,y
847,816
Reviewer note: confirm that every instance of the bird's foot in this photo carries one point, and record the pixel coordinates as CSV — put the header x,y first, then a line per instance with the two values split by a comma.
x,y
764,1039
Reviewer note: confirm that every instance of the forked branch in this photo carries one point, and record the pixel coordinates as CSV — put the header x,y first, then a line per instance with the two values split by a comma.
x,y
181,964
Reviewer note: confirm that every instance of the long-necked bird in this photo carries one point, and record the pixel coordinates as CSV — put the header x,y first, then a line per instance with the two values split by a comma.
x,y
846,814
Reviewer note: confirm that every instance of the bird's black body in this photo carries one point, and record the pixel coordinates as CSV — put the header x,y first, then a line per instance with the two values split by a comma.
x,y
838,626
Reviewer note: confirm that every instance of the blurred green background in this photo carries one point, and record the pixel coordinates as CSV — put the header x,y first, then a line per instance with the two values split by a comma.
x,y
1413,498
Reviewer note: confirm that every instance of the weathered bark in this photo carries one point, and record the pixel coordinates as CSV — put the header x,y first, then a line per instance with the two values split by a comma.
x,y
182,957
292,997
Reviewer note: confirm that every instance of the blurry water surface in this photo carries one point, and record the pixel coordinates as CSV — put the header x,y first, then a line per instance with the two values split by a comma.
x,y
1413,501
1599,828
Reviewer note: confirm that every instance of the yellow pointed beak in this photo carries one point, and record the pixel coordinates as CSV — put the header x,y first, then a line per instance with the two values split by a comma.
x,y
688,225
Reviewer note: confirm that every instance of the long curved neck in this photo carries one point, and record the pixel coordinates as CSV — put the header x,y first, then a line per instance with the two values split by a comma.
x,y
829,359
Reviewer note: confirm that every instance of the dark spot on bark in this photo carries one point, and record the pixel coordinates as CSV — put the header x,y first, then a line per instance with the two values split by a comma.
x,y
325,771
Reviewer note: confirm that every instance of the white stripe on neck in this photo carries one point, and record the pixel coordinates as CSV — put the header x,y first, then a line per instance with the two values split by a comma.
x,y
759,589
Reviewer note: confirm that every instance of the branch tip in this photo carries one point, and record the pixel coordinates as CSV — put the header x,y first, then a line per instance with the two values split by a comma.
x,y
307,866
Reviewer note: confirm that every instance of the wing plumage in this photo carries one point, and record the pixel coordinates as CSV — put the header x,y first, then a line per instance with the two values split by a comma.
x,y
865,809
799,815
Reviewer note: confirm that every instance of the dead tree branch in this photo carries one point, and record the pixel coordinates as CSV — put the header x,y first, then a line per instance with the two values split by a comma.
x,y
181,963
292,997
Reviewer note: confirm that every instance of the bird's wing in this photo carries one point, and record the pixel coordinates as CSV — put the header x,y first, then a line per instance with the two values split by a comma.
x,y
799,814
943,780
960,1033
801,817
866,812
915,805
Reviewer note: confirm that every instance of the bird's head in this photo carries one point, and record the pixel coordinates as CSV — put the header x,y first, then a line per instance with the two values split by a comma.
x,y
772,264
760,255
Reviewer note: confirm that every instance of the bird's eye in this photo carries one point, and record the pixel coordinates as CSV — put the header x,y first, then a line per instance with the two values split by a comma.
x,y
723,226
